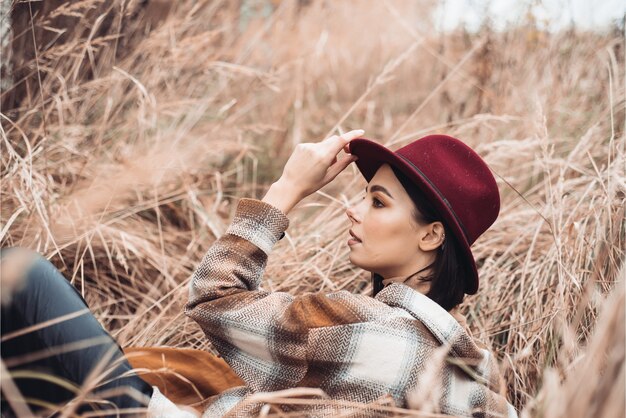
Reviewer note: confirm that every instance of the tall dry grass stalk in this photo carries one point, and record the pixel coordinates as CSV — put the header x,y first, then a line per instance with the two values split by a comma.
x,y
129,144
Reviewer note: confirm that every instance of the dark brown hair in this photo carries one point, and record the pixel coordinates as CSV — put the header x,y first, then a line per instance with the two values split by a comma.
x,y
450,270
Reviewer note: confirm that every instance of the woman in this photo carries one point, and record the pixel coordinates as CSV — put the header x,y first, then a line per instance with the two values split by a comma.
x,y
424,206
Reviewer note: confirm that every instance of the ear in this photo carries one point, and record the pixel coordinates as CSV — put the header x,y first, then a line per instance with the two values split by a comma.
x,y
432,236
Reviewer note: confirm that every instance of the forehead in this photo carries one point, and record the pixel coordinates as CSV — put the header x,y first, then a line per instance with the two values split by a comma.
x,y
386,177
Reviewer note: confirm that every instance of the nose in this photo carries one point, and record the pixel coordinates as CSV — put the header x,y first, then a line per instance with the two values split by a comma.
x,y
351,213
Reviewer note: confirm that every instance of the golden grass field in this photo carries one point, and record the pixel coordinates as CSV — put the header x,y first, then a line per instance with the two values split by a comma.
x,y
130,132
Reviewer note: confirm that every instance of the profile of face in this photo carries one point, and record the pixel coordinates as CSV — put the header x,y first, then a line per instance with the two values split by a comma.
x,y
389,240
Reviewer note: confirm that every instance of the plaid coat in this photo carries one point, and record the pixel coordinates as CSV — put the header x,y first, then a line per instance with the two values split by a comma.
x,y
354,347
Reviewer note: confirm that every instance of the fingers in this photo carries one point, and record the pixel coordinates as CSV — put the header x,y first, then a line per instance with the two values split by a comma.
x,y
353,133
338,167
337,142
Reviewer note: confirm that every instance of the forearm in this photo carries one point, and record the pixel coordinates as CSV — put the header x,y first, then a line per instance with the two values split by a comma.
x,y
282,196
236,261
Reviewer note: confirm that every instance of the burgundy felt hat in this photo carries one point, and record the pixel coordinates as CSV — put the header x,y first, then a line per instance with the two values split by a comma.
x,y
451,175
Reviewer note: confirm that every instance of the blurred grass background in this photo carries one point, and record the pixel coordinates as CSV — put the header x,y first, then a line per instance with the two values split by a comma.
x,y
131,128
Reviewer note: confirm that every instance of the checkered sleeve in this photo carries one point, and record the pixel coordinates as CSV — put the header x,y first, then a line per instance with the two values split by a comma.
x,y
261,335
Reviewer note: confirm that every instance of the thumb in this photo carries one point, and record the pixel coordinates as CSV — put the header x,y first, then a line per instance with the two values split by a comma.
x,y
338,167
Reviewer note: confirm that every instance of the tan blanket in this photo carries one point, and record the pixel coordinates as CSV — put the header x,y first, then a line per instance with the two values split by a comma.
x,y
186,376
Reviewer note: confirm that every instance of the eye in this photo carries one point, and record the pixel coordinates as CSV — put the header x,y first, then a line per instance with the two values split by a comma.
x,y
375,202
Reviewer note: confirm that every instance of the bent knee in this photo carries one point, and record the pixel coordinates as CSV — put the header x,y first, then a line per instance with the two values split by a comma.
x,y
15,265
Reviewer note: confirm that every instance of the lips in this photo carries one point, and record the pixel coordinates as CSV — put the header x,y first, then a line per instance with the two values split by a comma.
x,y
354,236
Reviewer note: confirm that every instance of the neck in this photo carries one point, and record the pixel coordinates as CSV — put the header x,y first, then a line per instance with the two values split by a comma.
x,y
420,266
413,280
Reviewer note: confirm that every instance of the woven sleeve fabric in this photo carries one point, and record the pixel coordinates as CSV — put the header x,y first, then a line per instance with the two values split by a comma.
x,y
258,222
261,335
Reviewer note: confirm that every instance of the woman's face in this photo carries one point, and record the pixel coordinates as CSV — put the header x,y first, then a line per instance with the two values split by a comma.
x,y
391,242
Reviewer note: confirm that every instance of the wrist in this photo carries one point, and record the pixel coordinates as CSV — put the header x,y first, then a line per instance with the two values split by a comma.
x,y
282,196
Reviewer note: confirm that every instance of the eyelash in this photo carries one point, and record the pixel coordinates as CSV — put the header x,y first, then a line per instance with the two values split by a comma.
x,y
374,200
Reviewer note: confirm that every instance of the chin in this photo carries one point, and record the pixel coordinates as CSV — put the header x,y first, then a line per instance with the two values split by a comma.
x,y
353,260
356,263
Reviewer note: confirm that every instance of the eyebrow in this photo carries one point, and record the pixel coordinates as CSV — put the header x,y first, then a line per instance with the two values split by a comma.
x,y
377,188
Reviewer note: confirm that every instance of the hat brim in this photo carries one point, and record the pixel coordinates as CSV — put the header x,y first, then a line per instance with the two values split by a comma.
x,y
372,155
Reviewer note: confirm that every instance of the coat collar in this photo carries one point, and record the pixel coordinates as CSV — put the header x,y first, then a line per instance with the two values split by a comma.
x,y
444,327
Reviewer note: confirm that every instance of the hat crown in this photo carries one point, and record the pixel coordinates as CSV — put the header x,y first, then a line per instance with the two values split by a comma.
x,y
461,178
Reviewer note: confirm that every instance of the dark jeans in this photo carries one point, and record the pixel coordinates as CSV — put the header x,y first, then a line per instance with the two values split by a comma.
x,y
76,349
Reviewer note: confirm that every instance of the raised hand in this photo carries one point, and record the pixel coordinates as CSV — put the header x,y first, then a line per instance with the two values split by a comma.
x,y
310,167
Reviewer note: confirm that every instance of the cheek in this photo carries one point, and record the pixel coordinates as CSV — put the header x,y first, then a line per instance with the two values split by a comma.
x,y
388,235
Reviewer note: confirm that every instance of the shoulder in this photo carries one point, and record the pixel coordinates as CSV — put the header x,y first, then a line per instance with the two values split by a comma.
x,y
317,310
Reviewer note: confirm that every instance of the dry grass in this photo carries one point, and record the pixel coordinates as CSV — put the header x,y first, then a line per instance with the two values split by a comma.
x,y
126,155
